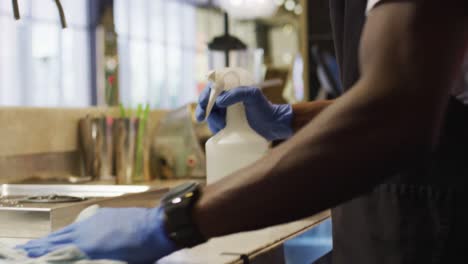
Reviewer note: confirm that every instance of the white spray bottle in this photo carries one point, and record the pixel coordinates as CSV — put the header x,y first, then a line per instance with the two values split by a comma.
x,y
237,145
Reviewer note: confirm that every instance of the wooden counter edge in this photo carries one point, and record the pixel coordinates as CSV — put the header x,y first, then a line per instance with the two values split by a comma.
x,y
315,221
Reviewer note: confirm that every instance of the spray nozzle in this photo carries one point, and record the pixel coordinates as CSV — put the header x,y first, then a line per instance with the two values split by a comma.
x,y
223,80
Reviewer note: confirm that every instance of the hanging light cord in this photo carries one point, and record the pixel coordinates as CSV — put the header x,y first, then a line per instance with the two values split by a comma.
x,y
63,20
16,12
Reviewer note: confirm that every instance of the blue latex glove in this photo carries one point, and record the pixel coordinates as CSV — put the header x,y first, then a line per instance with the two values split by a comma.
x,y
271,121
135,235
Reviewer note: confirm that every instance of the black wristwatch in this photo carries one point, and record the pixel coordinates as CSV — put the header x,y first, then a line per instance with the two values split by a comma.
x,y
177,207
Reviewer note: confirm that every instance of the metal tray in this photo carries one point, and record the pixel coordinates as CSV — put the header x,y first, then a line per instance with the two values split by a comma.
x,y
70,190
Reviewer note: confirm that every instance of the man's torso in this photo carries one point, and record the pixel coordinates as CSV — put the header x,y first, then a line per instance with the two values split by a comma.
x,y
418,215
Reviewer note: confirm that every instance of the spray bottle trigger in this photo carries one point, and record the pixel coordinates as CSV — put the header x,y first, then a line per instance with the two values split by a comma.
x,y
228,80
214,93
211,76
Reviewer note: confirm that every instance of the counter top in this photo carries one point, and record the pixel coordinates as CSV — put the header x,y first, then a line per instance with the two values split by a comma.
x,y
229,249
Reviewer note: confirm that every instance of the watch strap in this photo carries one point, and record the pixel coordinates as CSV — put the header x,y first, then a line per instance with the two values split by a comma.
x,y
178,215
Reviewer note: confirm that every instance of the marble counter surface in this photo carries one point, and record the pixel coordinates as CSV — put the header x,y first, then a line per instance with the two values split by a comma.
x,y
227,249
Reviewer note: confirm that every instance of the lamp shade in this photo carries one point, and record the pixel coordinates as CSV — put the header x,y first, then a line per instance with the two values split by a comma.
x,y
248,9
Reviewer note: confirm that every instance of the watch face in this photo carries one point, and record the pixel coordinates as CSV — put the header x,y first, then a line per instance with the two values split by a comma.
x,y
179,190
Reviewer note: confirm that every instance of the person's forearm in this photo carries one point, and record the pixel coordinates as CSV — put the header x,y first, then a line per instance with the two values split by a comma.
x,y
390,118
303,113
324,164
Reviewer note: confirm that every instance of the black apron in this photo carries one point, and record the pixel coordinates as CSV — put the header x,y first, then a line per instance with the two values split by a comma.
x,y
419,215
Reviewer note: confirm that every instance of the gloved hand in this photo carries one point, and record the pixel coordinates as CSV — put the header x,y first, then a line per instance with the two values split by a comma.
x,y
135,235
269,120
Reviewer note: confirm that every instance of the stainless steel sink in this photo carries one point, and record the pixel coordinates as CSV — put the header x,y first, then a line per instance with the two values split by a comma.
x,y
54,180
24,219
72,190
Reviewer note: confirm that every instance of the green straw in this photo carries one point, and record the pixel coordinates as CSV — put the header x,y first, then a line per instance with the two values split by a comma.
x,y
146,113
142,117
122,110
